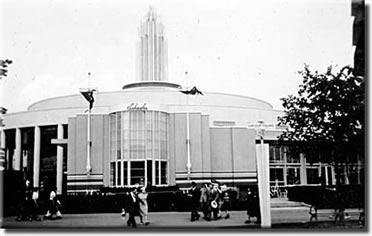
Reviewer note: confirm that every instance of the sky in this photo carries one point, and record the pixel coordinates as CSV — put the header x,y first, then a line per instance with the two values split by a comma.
x,y
250,48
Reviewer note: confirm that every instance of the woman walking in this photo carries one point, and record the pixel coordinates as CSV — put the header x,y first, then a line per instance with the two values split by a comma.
x,y
144,209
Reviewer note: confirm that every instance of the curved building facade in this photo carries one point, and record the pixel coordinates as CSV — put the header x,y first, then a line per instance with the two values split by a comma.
x,y
145,131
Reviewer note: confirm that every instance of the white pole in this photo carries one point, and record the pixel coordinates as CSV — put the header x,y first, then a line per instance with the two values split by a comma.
x,y
188,165
88,167
37,141
59,160
188,149
263,178
17,153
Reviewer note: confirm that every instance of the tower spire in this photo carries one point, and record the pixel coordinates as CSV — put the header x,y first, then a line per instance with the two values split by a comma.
x,y
152,50
151,16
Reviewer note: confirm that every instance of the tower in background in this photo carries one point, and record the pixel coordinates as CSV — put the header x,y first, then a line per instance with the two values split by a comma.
x,y
152,50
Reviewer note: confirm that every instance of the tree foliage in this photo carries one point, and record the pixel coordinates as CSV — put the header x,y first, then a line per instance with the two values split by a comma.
x,y
327,114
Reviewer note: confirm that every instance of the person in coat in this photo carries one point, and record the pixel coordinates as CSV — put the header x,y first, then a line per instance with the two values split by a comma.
x,y
131,207
143,206
53,210
194,194
26,203
213,195
253,206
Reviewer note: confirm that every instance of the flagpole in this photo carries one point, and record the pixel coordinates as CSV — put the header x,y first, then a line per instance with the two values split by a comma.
x,y
88,167
188,164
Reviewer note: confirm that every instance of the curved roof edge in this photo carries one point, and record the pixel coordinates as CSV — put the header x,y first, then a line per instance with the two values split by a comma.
x,y
143,84
244,96
171,85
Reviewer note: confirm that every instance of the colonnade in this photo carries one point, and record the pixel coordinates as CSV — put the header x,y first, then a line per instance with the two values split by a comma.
x,y
16,164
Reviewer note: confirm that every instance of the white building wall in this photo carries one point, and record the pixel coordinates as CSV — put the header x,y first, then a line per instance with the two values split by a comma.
x,y
243,110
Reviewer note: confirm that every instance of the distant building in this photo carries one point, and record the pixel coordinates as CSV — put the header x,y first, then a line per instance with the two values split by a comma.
x,y
358,12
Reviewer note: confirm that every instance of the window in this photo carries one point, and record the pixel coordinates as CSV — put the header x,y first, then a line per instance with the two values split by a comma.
x,y
137,171
276,153
118,133
293,175
276,174
112,174
163,172
312,175
292,158
113,137
355,171
119,178
139,147
149,171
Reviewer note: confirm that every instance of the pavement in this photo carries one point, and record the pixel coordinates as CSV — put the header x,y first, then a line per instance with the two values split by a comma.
x,y
285,215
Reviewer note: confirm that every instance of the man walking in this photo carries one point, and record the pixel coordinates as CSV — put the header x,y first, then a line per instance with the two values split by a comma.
x,y
194,194
132,207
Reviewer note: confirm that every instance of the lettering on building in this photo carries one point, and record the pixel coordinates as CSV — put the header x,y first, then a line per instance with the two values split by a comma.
x,y
135,106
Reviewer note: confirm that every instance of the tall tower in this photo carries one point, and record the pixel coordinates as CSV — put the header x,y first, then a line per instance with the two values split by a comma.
x,y
152,50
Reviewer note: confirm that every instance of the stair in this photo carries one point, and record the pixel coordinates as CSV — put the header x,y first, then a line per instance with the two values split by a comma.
x,y
284,202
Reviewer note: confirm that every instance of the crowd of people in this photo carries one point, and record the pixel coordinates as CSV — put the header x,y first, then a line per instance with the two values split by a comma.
x,y
213,200
136,205
29,206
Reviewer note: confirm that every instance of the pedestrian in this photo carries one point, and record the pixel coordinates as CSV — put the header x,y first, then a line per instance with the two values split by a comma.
x,y
224,201
213,195
132,207
208,201
143,206
249,205
253,207
204,201
53,207
26,202
194,194
34,205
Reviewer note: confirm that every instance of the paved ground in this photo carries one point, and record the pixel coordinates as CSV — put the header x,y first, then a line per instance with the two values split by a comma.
x,y
282,218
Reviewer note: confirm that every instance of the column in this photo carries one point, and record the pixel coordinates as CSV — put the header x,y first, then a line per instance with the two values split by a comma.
x,y
320,172
285,167
263,179
303,175
333,175
59,159
3,155
346,177
326,175
36,156
2,138
17,153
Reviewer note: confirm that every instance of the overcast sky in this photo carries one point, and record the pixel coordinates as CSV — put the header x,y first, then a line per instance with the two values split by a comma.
x,y
251,48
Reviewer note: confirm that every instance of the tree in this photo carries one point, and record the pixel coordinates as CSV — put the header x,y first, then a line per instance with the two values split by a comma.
x,y
326,118
3,67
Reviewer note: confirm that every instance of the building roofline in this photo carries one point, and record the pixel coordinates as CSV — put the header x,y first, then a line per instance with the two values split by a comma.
x,y
172,91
